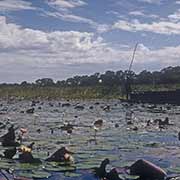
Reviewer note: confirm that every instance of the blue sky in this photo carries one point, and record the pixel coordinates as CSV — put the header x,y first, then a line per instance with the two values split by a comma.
x,y
63,38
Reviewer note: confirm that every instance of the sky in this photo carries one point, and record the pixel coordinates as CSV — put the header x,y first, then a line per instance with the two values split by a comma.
x,y
59,39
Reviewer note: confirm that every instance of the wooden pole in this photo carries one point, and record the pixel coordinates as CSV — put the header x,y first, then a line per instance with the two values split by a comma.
x,y
128,83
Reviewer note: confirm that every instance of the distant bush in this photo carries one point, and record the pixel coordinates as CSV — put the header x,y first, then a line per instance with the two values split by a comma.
x,y
110,84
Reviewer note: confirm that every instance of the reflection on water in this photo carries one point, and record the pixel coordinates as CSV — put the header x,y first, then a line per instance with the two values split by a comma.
x,y
117,139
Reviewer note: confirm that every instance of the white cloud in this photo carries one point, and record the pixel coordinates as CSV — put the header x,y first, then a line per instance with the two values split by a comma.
x,y
12,36
113,12
136,13
142,14
152,1
101,28
66,3
57,46
143,48
162,27
69,17
177,2
63,10
15,5
23,50
175,17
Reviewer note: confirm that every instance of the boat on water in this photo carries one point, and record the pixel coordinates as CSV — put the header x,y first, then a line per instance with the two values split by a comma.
x,y
156,97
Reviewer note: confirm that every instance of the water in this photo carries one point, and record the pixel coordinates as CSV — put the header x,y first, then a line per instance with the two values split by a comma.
x,y
122,145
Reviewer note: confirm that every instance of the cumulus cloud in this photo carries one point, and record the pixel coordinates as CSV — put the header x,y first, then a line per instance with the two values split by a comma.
x,y
57,46
15,5
28,51
143,48
161,27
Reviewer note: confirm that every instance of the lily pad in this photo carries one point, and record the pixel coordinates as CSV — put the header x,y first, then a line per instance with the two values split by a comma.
x,y
175,170
25,166
70,174
34,174
25,174
86,165
59,168
5,165
133,177
40,174
152,144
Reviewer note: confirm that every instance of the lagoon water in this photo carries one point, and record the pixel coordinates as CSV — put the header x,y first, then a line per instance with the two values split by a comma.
x,y
122,144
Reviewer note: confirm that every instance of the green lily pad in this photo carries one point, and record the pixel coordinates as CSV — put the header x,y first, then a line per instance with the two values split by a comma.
x,y
5,165
70,174
59,168
86,165
82,156
152,144
175,170
131,177
40,174
25,174
25,166
34,174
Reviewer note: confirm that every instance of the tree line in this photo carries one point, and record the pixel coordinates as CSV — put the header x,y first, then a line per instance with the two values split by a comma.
x,y
169,75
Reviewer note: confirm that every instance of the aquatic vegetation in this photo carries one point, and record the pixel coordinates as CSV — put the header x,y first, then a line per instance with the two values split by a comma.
x,y
121,144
